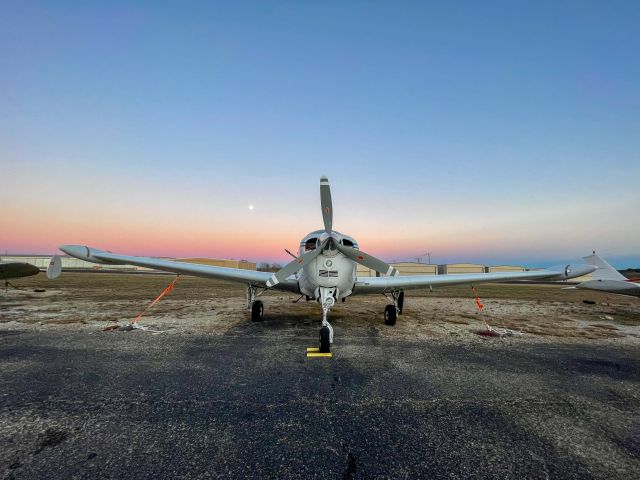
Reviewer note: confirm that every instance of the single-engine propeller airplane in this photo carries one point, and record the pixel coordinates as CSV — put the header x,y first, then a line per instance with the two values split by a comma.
x,y
324,271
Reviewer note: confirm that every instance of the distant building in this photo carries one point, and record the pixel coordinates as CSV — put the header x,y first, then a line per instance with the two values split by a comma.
x,y
504,268
71,263
405,268
244,264
453,268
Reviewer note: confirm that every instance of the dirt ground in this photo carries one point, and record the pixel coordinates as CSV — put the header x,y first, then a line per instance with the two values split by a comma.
x,y
539,312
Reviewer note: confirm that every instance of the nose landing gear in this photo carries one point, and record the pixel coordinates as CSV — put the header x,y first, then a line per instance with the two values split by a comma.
x,y
327,300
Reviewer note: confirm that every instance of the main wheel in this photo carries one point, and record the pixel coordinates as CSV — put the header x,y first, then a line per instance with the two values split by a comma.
x,y
390,315
325,340
257,311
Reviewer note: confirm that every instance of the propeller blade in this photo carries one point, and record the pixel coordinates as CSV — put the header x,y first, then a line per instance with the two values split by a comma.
x,y
325,202
295,265
368,261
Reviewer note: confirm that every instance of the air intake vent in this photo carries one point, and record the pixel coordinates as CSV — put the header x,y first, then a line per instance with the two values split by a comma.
x,y
328,273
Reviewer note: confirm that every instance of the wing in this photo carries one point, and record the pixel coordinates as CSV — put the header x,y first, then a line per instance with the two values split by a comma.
x,y
368,285
248,277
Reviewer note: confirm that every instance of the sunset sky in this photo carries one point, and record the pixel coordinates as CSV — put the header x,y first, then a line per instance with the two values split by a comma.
x,y
497,132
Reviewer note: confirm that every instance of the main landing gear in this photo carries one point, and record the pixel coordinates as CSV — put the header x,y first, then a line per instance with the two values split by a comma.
x,y
392,311
256,306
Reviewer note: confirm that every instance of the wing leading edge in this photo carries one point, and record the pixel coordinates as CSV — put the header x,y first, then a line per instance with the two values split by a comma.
x,y
239,275
368,285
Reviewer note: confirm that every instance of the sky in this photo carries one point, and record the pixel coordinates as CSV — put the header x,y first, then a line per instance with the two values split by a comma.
x,y
492,132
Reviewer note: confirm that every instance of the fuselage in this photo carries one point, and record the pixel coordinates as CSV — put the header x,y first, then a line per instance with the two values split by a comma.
x,y
329,269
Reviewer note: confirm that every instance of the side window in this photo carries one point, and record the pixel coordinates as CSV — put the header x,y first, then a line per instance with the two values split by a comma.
x,y
310,244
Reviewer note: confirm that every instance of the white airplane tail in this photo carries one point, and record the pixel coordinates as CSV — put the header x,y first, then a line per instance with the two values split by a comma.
x,y
604,271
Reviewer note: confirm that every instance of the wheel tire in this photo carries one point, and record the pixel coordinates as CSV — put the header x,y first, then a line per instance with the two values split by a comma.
x,y
390,315
257,311
325,340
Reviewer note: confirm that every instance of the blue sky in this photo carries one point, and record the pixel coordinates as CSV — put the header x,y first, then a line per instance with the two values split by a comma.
x,y
500,132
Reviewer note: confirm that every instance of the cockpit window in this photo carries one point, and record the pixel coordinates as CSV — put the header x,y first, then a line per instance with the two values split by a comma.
x,y
347,243
310,244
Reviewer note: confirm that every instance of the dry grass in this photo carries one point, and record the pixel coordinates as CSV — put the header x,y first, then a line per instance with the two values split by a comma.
x,y
541,311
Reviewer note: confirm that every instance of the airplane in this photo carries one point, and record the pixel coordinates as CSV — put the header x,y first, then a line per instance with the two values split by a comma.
x,y
324,271
16,270
608,279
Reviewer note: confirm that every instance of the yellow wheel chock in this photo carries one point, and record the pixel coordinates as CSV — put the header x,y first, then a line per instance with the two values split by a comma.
x,y
315,352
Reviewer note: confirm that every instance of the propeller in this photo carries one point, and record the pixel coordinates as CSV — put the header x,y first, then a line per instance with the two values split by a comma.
x,y
325,203
367,260
328,239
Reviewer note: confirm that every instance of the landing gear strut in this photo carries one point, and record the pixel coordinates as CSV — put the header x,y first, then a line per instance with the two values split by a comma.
x,y
391,312
256,306
327,300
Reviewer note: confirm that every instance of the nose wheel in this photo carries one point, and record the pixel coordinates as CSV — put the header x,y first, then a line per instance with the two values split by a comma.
x,y
325,339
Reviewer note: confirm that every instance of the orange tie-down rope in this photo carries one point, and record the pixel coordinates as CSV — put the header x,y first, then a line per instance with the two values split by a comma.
x,y
478,302
164,292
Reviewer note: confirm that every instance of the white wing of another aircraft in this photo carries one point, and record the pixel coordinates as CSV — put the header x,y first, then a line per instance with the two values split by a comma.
x,y
605,271
608,279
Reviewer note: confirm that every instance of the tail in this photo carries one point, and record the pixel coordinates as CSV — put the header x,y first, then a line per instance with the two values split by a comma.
x,y
604,271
